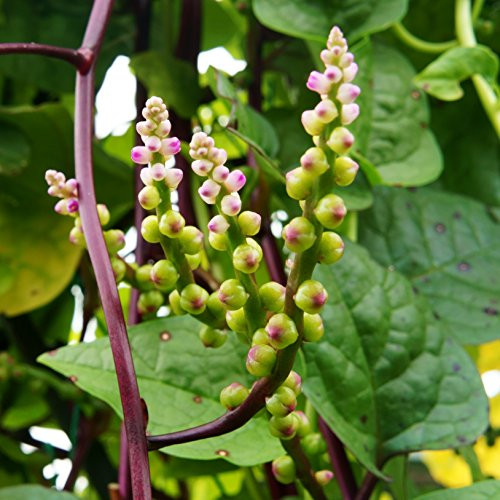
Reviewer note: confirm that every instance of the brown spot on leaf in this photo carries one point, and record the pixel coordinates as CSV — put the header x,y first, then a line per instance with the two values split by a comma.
x,y
165,336
491,311
463,266
222,453
415,94
53,352
33,292
197,399
423,125
440,228
73,378
457,215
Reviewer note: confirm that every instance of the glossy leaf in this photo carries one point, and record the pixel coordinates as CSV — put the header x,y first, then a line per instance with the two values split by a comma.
x,y
483,490
32,491
448,246
385,377
313,19
180,381
442,77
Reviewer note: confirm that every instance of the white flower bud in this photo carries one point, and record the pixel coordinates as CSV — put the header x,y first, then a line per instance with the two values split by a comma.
x,y
231,204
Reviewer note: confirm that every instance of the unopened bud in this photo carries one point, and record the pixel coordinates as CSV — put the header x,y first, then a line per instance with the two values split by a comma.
x,y
146,176
281,330
149,302
260,337
350,72
103,213
345,170
141,155
272,296
314,162
294,382
143,277
170,146
164,275
115,240
311,122
282,402
218,224
217,155
173,177
149,197
313,444
311,296
171,224
284,427
284,469
149,229
202,167
164,128
211,337
299,183
330,211
217,241
333,74
313,327
323,476
326,111
232,294
174,300
318,82
208,191
349,113
231,204
233,395
220,173
191,240
340,140
215,306
152,143
119,268
261,360
235,181
331,248
76,237
236,320
249,222
348,93
304,427
194,260
246,258
194,299
299,234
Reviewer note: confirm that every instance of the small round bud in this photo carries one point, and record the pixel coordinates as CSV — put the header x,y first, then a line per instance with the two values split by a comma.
x,y
170,146
153,143
217,241
119,269
294,382
272,296
314,161
144,128
103,213
246,258
149,302
350,72
212,337
194,260
215,306
281,330
208,191
164,275
115,240
217,155
345,170
146,176
311,122
331,248
346,59
349,113
333,74
326,111
282,402
311,296
284,469
231,204
256,246
171,224
304,427
202,167
318,82
174,300
233,395
330,211
340,140
299,183
260,337
236,320
220,173
191,240
149,197
76,237
249,222
143,277
218,224
323,476
173,177
149,229
232,294
141,155
284,427
235,181
347,93
313,444
261,360
194,299
164,128
313,327
299,234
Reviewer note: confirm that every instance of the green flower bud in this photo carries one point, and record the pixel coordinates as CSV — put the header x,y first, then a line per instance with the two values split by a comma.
x,y
215,306
299,183
313,327
149,302
149,197
282,402
249,222
256,246
345,170
281,330
143,277
330,211
311,296
171,224
294,381
119,269
212,337
305,426
299,234
164,275
340,140
191,240
260,337
284,427
76,236
149,229
323,476
193,260
313,444
261,360
194,299
115,240
217,241
233,294
236,320
331,248
284,469
103,213
174,300
314,162
272,296
233,395
246,258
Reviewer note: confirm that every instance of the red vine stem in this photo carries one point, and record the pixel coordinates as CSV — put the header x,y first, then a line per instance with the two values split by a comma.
x,y
367,487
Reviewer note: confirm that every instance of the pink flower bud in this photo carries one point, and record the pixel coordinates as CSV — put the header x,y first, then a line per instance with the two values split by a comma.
x,y
231,204
326,111
314,161
173,177
333,74
71,187
50,176
218,224
347,93
235,181
346,60
164,128
202,167
146,113
158,171
170,146
61,207
145,127
327,57
318,82
340,140
153,143
53,191
146,176
311,122
141,155
350,72
154,101
209,191
217,155
349,113
72,205
220,173
197,140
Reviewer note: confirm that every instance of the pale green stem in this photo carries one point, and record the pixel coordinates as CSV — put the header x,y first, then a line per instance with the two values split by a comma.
x,y
421,45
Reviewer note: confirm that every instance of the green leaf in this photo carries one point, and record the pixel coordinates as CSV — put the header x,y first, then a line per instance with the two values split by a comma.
x,y
174,80
448,246
384,377
221,24
14,150
484,490
442,77
180,381
313,19
32,491
393,125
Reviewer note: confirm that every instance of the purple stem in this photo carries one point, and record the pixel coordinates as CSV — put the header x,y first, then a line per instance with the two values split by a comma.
x,y
340,462
124,482
367,487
